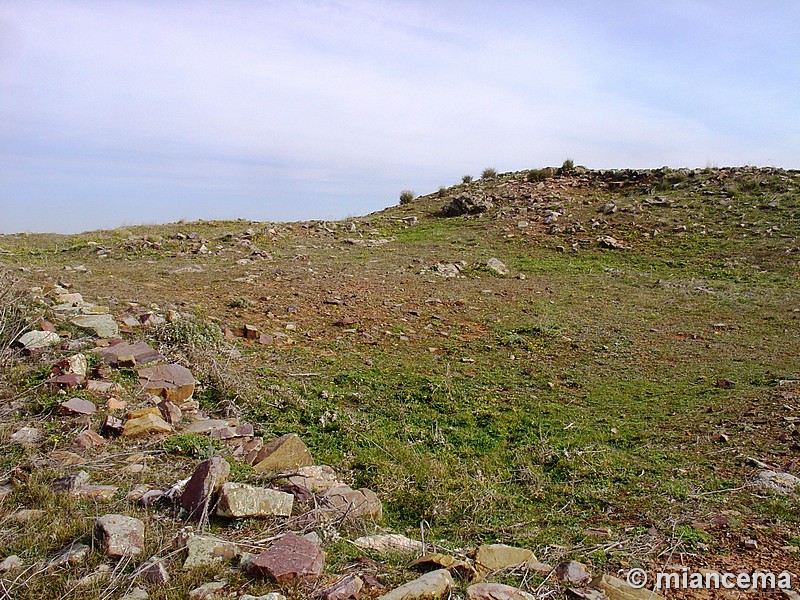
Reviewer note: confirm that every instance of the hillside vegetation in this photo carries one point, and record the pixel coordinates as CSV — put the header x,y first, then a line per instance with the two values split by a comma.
x,y
607,393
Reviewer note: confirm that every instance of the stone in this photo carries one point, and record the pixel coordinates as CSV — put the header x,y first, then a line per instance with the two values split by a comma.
x,y
170,412
68,482
146,425
65,458
11,563
315,478
75,364
350,503
141,412
496,557
237,500
467,203
115,404
26,436
496,591
108,388
154,572
283,454
270,596
67,381
431,586
207,479
172,382
202,550
250,332
230,432
5,490
141,353
617,589
120,535
103,326
205,425
498,267
69,298
94,578
290,559
26,515
71,555
607,241
112,426
774,482
446,269
98,493
572,572
89,439
437,560
389,542
135,594
345,588
76,407
35,340
211,589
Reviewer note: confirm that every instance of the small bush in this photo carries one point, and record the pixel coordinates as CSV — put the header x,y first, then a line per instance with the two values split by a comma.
x,y
192,444
489,173
406,196
239,302
536,175
442,192
568,166
466,179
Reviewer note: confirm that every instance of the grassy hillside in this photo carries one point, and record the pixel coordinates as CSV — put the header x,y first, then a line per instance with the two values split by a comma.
x,y
624,375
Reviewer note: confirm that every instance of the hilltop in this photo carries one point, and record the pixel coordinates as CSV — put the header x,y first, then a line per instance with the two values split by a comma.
x,y
597,366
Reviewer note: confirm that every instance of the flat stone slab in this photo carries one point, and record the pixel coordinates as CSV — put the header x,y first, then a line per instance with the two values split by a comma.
x,y
141,352
353,504
291,559
172,382
237,500
120,535
389,542
76,407
495,557
103,326
34,340
315,478
147,424
431,586
283,454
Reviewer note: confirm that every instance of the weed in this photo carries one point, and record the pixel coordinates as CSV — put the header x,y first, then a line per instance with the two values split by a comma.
x,y
568,166
407,196
489,173
240,302
466,179
536,175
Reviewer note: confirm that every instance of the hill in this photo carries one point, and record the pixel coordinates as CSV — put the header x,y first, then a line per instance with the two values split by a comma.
x,y
598,366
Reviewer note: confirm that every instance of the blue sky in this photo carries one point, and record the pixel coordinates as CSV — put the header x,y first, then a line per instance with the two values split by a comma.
x,y
115,113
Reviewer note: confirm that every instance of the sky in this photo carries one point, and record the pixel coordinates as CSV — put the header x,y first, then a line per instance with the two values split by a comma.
x,y
118,112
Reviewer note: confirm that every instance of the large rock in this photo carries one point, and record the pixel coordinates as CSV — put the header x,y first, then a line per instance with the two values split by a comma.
x,y
290,559
617,589
120,535
495,265
141,353
431,586
172,382
34,340
467,203
347,502
237,500
496,591
496,557
203,550
283,454
103,326
206,481
776,482
147,424
389,542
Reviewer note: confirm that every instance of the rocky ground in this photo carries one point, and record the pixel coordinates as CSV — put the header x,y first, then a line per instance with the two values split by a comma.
x,y
521,386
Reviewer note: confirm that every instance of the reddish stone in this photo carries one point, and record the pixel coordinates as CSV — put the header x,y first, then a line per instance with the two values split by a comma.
x,y
171,413
345,588
226,433
141,352
68,381
112,426
90,439
76,406
290,559
250,332
205,482
172,382
120,535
